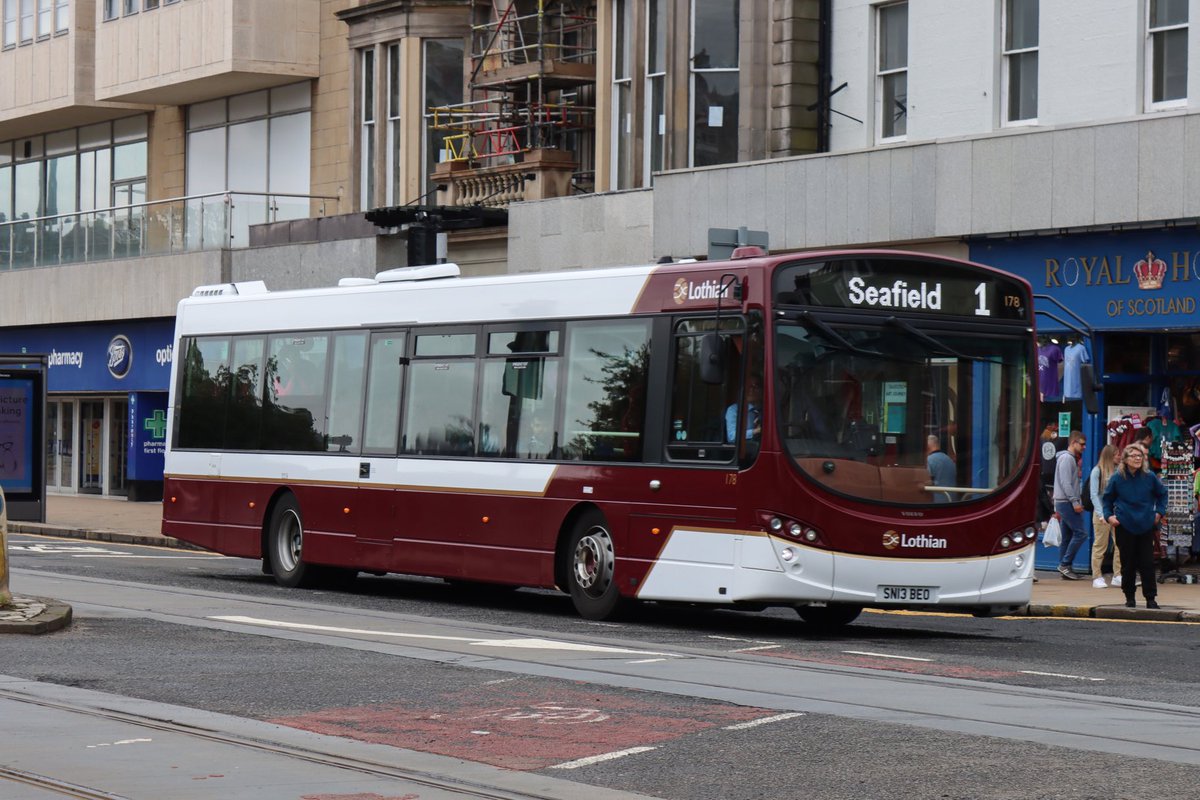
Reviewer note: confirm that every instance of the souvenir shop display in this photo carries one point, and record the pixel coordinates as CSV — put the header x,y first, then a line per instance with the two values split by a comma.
x,y
1173,544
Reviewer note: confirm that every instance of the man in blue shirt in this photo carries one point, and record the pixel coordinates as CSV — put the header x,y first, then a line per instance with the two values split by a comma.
x,y
753,414
941,468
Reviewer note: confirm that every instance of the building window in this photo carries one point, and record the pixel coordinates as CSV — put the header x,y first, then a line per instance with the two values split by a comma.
x,y
1167,52
715,81
366,127
395,188
130,7
443,83
149,4
622,94
1021,60
10,23
892,77
110,10
45,18
256,146
656,88
62,16
27,20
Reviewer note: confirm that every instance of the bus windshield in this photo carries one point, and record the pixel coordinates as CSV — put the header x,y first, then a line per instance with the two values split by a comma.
x,y
893,411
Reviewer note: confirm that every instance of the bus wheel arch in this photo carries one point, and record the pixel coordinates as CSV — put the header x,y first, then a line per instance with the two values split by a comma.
x,y
830,617
587,563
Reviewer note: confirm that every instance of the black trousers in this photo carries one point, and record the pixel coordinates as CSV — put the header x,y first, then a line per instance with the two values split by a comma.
x,y
1137,558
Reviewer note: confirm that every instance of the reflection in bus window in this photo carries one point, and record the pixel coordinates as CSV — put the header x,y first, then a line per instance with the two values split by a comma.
x,y
295,401
439,419
205,390
345,397
382,427
605,408
516,411
243,426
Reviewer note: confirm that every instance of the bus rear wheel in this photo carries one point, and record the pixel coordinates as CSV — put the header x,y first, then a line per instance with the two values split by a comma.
x,y
591,564
285,546
829,617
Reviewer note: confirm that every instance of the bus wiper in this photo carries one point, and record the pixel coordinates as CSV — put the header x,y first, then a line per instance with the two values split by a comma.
x,y
936,343
828,332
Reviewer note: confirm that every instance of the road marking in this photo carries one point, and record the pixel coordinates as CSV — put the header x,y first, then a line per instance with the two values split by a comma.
x,y
529,644
1061,675
498,680
646,661
754,723
760,647
584,762
884,655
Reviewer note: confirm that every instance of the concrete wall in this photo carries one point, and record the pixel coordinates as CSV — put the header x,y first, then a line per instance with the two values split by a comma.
x,y
596,230
134,288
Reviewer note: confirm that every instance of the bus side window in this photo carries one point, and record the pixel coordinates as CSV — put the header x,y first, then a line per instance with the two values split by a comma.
x,y
345,396
203,407
381,429
604,410
705,417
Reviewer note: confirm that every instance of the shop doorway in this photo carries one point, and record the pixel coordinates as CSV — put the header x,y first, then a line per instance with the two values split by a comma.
x,y
60,445
118,453
92,440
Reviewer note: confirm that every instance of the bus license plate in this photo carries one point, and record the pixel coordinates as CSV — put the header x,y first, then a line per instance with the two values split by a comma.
x,y
906,594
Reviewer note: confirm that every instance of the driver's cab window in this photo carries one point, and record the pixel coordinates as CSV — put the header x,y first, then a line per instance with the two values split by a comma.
x,y
712,415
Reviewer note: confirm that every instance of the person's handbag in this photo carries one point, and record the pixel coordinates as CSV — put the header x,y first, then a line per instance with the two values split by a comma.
x,y
1053,535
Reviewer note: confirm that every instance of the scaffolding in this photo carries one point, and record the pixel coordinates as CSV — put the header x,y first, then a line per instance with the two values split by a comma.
x,y
532,66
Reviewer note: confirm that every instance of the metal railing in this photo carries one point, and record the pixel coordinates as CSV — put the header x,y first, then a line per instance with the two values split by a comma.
x,y
216,221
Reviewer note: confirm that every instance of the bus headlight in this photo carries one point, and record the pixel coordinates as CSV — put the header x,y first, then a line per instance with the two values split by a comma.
x,y
787,554
776,524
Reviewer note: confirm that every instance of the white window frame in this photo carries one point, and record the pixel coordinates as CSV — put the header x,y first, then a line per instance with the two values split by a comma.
x,y
1008,55
10,23
62,16
621,131
883,75
45,18
651,125
28,22
1151,32
395,131
366,122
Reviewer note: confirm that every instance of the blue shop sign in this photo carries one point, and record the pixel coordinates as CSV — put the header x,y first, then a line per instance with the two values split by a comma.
x,y
134,355
1138,280
147,435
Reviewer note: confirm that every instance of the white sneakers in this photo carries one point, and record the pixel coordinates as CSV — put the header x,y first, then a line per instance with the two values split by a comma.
x,y
1116,581
1099,583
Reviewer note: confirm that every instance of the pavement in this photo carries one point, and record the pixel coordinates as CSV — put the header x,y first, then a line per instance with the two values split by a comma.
x,y
120,521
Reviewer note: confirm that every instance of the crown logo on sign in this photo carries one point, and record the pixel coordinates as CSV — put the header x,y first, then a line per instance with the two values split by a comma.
x,y
1150,272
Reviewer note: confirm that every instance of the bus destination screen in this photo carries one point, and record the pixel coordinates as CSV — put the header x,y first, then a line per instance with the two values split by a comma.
x,y
899,285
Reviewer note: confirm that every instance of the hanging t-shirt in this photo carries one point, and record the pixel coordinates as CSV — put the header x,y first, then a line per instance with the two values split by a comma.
x,y
1074,355
1050,356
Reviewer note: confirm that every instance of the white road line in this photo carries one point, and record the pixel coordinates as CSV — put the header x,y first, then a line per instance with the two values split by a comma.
x,y
760,647
1061,675
646,661
754,723
730,639
884,655
135,555
528,644
584,762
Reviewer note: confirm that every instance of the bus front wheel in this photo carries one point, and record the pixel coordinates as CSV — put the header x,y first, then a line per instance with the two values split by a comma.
x,y
829,617
591,566
285,545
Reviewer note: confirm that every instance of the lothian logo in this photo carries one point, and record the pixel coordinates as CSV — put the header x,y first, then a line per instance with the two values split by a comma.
x,y
894,539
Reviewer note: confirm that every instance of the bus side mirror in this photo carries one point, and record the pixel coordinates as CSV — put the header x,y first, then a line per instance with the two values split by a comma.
x,y
1088,387
712,359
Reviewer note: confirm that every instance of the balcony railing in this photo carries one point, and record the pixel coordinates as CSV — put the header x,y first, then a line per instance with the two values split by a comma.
x,y
159,227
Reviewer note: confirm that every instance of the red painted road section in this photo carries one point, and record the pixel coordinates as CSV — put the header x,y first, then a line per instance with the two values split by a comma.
x,y
526,725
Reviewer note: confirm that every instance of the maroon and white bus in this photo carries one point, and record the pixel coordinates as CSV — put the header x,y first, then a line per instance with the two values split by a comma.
x,y
827,431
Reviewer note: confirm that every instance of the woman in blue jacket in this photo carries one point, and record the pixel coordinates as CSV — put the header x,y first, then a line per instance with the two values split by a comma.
x,y
1134,503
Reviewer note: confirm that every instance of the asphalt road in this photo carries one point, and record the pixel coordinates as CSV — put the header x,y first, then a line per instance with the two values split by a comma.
x,y
531,715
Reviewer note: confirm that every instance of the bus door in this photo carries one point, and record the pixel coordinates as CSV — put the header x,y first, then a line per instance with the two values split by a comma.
x,y
713,429
376,466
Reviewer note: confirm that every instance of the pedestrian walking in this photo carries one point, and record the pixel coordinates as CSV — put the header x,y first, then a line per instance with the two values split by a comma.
x,y
1134,503
1110,459
1068,506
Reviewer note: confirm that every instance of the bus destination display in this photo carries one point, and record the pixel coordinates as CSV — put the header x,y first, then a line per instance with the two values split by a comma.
x,y
885,285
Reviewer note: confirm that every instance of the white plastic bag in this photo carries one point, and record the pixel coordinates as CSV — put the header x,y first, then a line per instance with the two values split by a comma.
x,y
1053,535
